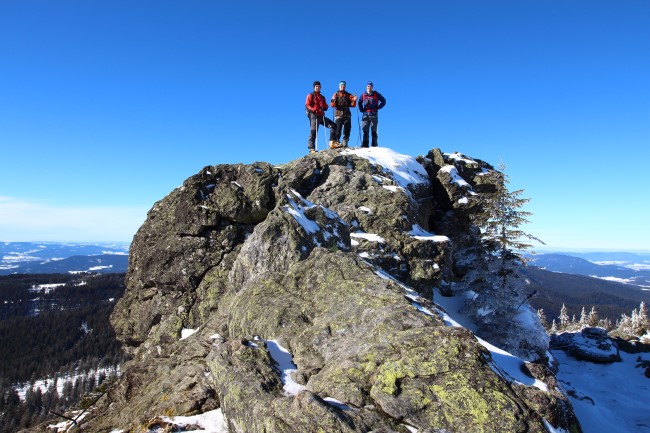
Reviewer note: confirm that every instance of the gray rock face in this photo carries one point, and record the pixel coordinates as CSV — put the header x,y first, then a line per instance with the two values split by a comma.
x,y
324,257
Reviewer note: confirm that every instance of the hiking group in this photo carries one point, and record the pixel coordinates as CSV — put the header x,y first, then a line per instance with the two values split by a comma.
x,y
369,104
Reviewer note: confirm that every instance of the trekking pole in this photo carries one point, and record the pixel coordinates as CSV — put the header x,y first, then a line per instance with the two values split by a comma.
x,y
358,130
316,141
326,131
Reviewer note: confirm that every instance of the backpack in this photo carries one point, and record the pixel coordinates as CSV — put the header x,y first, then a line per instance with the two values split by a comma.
x,y
342,100
307,112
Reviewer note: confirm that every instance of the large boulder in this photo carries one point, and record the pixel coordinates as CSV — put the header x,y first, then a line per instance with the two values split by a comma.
x,y
589,344
327,265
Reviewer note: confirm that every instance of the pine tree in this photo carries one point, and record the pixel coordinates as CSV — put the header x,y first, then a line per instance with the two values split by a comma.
x,y
501,308
625,324
643,316
592,318
502,216
606,323
583,317
564,317
553,329
542,318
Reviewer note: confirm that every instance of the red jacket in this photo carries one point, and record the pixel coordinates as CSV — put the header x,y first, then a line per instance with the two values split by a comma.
x,y
316,103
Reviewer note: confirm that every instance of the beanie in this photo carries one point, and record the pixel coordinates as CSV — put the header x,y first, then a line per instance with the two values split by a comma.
x,y
316,83
370,84
342,83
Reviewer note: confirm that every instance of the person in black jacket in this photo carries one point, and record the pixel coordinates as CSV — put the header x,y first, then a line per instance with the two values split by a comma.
x,y
342,101
370,103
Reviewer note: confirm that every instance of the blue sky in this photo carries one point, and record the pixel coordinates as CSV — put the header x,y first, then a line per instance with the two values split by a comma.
x,y
106,106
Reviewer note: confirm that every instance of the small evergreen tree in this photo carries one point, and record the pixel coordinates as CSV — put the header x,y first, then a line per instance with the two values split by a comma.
x,y
500,307
542,318
583,317
502,217
592,318
625,324
564,317
643,316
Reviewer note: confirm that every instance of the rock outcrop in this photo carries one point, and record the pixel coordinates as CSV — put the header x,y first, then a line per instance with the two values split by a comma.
x,y
333,259
590,344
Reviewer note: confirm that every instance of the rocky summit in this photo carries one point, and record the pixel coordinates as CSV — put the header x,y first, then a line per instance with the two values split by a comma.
x,y
299,298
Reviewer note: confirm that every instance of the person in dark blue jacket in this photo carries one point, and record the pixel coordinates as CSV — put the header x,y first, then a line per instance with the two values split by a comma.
x,y
369,104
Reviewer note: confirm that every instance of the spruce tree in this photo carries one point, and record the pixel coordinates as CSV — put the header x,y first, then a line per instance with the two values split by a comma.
x,y
565,321
643,316
583,317
592,318
502,218
500,308
542,318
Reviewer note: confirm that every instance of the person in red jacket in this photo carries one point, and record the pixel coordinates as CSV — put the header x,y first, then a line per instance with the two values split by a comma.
x,y
316,105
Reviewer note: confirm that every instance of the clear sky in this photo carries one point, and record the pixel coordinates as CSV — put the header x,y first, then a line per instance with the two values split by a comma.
x,y
107,105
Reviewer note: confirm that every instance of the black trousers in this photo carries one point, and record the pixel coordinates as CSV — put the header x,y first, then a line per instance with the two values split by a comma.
x,y
314,121
343,126
368,124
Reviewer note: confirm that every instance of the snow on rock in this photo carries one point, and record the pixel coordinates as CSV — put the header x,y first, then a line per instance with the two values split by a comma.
x,y
208,422
300,208
455,177
297,210
186,332
459,157
405,169
371,237
285,366
590,344
503,363
420,234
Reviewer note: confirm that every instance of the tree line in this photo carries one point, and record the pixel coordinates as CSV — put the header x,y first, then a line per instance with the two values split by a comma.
x,y
72,337
636,324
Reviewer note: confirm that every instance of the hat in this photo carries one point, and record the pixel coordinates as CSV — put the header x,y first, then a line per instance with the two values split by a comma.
x,y
342,83
316,83
369,84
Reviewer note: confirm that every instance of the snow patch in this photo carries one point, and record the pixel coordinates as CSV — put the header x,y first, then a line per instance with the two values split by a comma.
x,y
455,177
187,332
404,169
371,237
420,234
285,366
209,422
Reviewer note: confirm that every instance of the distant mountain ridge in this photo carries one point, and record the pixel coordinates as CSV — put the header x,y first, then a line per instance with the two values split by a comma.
x,y
628,268
52,257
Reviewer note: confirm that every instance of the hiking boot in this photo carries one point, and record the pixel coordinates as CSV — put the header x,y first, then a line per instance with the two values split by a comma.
x,y
344,143
312,150
334,144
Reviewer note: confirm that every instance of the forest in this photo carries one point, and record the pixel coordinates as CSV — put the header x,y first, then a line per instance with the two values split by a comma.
x,y
54,328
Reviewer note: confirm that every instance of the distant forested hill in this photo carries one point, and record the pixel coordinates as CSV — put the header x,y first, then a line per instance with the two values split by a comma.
x,y
610,298
54,326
